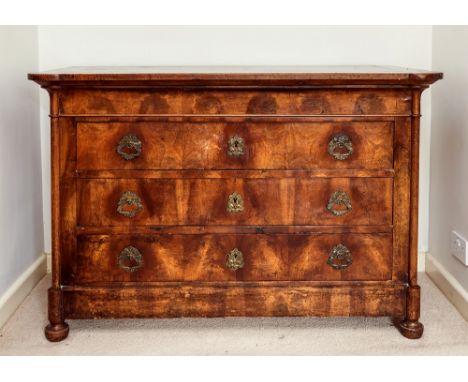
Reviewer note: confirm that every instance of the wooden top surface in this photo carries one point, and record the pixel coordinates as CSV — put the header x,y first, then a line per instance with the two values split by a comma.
x,y
238,75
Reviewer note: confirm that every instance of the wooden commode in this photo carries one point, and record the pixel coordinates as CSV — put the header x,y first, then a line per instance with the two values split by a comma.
x,y
234,191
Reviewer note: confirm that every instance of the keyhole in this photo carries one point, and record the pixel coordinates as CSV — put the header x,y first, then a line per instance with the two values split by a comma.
x,y
235,203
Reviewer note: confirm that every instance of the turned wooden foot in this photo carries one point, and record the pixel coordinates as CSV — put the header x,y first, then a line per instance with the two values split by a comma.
x,y
57,332
58,329
410,329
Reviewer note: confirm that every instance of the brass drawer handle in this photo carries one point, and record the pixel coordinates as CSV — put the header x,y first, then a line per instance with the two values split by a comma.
x,y
130,259
340,147
236,146
129,147
339,198
235,260
340,257
129,204
235,203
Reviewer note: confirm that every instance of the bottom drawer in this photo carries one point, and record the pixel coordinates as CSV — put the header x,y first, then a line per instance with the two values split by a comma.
x,y
241,257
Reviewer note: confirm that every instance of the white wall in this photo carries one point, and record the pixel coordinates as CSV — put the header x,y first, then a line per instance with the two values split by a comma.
x,y
402,46
21,229
449,147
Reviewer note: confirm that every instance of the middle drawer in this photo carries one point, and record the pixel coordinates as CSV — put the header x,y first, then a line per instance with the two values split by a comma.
x,y
235,201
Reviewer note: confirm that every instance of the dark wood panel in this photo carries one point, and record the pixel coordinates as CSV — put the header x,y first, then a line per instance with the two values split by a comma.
x,y
401,198
82,101
265,201
261,145
186,300
68,196
204,257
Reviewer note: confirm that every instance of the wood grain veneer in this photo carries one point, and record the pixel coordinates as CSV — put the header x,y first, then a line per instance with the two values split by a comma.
x,y
324,159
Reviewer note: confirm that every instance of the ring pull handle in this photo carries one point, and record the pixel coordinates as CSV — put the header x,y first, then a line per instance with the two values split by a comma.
x,y
236,146
339,203
235,260
129,147
130,259
339,257
235,203
129,204
340,147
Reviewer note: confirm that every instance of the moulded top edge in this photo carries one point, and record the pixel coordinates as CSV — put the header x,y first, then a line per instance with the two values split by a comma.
x,y
238,75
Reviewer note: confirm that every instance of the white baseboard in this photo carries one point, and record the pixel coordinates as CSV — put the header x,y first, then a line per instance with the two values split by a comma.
x,y
422,261
49,262
449,286
15,295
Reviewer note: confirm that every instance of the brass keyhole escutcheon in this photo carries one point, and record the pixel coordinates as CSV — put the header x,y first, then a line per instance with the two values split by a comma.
x,y
129,204
235,203
340,257
339,203
129,147
235,260
236,146
340,147
130,259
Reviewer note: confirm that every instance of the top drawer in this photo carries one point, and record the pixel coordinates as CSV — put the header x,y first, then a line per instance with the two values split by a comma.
x,y
235,102
235,145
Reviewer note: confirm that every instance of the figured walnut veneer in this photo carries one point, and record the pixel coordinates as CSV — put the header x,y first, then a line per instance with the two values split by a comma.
x,y
234,191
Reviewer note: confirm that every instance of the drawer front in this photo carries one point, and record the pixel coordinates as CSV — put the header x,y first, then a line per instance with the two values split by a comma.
x,y
235,201
235,102
312,257
250,145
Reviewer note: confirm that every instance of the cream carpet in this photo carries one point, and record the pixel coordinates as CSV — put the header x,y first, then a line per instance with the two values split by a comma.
x,y
446,333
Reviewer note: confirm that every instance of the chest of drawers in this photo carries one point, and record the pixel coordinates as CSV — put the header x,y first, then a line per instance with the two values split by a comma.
x,y
234,191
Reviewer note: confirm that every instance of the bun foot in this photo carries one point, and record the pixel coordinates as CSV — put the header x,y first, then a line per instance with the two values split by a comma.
x,y
57,332
410,329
